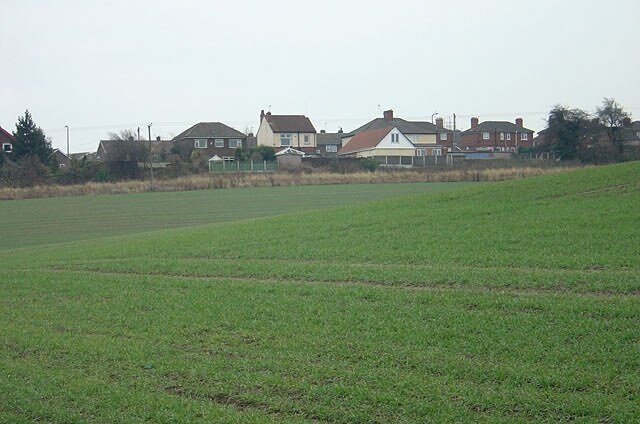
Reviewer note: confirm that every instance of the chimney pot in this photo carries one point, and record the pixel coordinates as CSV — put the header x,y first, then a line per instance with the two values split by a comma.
x,y
388,115
474,122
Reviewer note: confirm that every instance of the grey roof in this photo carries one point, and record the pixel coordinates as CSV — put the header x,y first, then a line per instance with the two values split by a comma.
x,y
329,138
405,127
209,130
497,126
290,123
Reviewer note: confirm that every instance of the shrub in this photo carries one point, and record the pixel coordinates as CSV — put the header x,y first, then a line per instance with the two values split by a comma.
x,y
369,164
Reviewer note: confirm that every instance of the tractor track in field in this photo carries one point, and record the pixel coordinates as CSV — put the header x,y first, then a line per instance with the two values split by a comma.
x,y
515,291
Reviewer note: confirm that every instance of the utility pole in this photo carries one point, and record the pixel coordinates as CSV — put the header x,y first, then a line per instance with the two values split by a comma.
x,y
150,159
455,134
67,127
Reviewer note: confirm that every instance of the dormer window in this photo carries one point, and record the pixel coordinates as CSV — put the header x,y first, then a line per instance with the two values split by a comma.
x,y
7,148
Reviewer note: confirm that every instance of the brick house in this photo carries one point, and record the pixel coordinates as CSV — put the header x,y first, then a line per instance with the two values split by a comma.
x,y
428,138
329,143
282,131
210,139
496,136
6,141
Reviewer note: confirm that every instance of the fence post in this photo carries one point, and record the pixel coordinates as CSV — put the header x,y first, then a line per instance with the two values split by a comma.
x,y
224,165
251,166
435,159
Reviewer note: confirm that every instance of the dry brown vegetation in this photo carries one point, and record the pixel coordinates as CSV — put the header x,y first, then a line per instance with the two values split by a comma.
x,y
238,180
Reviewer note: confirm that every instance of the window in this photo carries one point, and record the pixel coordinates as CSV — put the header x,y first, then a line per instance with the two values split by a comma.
x,y
200,143
395,138
436,152
7,147
235,143
501,136
508,136
420,152
228,158
638,134
524,136
219,142
285,139
485,136
306,139
331,148
443,136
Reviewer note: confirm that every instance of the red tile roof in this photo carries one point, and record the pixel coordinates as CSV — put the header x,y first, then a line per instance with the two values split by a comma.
x,y
7,135
365,140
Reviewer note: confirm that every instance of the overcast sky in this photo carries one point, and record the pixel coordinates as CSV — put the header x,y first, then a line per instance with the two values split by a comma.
x,y
105,66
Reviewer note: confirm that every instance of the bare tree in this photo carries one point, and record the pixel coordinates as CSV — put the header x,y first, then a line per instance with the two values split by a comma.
x,y
611,115
125,135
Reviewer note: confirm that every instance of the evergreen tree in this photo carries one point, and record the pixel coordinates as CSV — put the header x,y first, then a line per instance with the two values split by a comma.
x,y
30,140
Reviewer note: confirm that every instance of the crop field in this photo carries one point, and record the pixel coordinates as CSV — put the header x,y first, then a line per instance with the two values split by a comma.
x,y
58,219
516,301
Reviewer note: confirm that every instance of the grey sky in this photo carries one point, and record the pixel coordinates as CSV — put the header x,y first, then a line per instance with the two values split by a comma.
x,y
102,67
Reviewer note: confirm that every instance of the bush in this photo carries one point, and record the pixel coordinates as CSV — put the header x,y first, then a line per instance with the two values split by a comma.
x,y
369,164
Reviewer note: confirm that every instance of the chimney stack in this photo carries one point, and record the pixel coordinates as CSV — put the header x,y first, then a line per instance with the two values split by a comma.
x,y
519,122
439,122
388,115
474,122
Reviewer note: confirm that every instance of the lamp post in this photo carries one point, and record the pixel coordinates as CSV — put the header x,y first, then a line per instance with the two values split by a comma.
x,y
150,159
67,127
432,115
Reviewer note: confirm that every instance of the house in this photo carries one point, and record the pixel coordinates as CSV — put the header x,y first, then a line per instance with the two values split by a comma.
x,y
496,136
282,131
389,141
429,139
210,139
329,143
6,141
135,151
631,135
61,158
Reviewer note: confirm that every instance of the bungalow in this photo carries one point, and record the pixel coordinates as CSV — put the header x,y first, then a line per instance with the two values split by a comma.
x,y
135,151
211,139
496,136
389,141
282,131
6,141
61,158
429,139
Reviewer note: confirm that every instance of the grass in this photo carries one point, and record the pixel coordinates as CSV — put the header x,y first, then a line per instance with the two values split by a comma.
x,y
508,302
31,222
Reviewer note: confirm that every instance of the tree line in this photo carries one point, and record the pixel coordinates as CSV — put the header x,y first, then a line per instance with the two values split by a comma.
x,y
578,135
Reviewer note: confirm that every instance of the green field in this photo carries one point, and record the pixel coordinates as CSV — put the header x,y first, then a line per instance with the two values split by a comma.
x,y
503,302
59,219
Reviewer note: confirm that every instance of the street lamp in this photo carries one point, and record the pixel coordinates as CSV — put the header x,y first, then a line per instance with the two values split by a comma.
x,y
432,115
67,127
150,159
